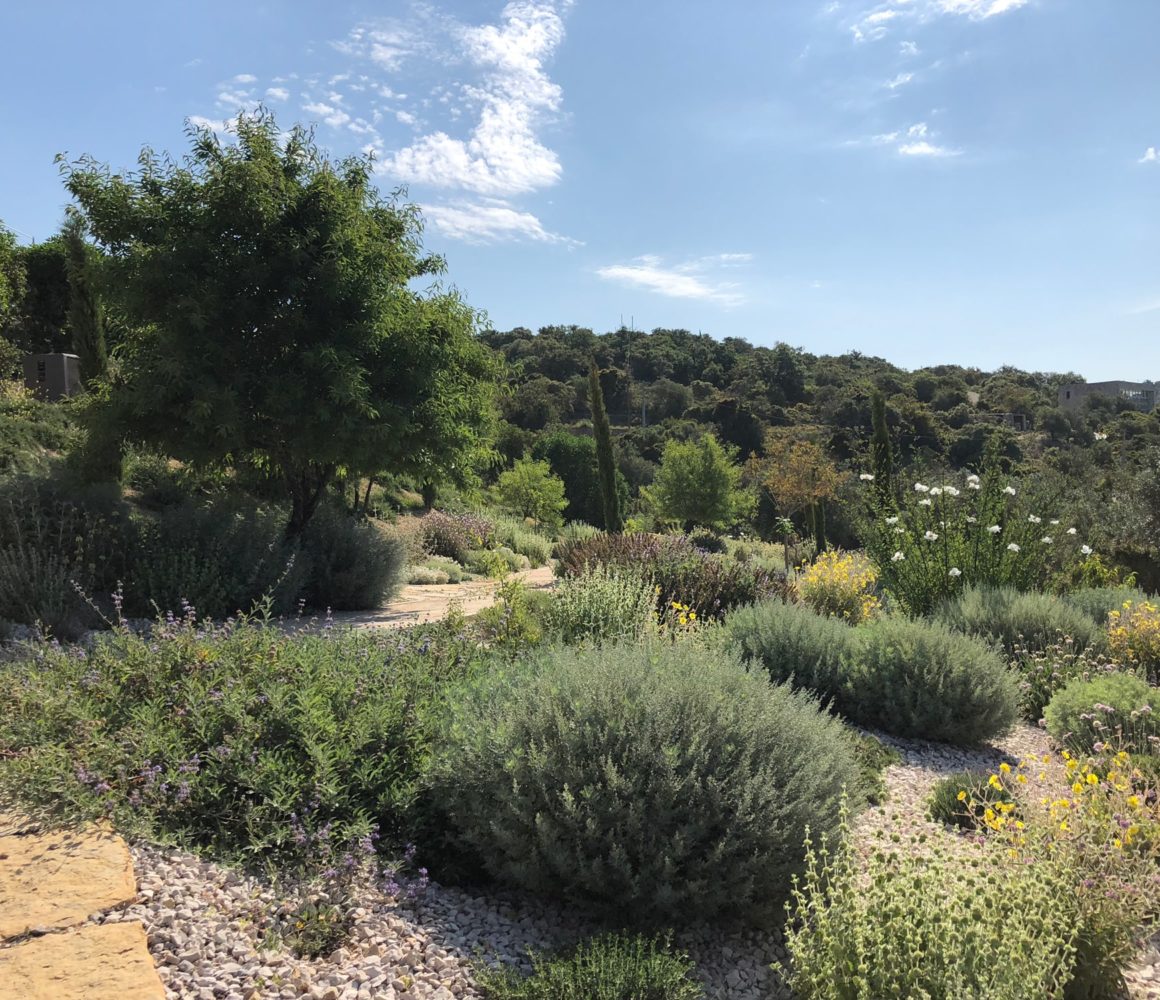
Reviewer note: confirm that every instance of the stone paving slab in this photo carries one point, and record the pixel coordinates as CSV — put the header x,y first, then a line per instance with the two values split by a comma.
x,y
94,962
58,879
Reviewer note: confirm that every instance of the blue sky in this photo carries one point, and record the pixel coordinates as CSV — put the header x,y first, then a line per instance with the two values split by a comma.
x,y
931,181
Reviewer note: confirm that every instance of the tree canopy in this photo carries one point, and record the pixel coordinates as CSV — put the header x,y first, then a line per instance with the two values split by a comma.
x,y
274,318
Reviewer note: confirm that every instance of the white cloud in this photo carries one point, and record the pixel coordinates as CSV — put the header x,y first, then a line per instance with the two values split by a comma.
x,y
901,80
924,148
980,8
908,49
386,45
1151,155
278,94
691,280
217,125
503,154
245,78
328,114
488,222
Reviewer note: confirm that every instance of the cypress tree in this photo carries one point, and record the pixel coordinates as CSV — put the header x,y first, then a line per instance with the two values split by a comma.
x,y
605,465
85,313
881,458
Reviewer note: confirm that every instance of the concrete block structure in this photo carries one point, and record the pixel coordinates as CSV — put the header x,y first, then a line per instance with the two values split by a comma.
x,y
1142,395
53,376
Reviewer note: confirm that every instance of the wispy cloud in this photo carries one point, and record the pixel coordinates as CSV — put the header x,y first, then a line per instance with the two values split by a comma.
x,y
980,8
278,93
1141,308
693,279
1151,155
328,114
875,22
908,49
901,80
916,140
475,222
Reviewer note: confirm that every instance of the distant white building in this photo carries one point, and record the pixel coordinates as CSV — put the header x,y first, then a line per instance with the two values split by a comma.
x,y
1142,395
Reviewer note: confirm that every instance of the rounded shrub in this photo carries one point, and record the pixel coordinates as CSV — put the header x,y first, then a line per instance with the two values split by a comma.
x,y
708,541
1114,708
599,606
352,563
921,680
609,967
644,782
1098,602
792,643
1017,619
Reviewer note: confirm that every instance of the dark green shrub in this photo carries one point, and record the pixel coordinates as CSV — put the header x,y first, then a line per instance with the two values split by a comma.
x,y
1018,619
707,541
609,967
793,643
253,744
31,431
874,757
1115,708
63,549
708,584
219,557
154,482
1096,602
1042,672
350,562
652,784
961,799
921,680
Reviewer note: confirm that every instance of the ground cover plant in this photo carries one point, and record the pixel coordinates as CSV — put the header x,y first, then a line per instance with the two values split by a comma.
x,y
239,739
608,967
963,799
651,783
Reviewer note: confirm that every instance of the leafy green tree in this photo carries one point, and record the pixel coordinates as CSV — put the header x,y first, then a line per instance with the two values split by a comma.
x,y
38,322
273,319
881,458
605,461
11,292
698,485
529,489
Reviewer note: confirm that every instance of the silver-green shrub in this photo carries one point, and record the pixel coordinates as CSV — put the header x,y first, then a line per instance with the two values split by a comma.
x,y
1120,709
1096,602
792,642
599,606
512,533
919,679
1019,619
647,782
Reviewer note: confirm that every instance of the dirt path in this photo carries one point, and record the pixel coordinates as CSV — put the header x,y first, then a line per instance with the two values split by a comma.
x,y
417,604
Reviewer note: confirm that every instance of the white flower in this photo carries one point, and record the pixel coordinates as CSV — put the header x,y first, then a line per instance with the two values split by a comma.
x,y
924,502
1071,531
1012,547
974,486
931,536
900,531
936,492
866,477
955,572
892,520
1009,490
1054,521
898,557
1086,550
972,478
994,529
950,491
1047,539
971,519
1100,437
919,488
1033,519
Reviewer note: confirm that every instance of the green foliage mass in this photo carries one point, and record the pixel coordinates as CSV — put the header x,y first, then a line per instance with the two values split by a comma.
x,y
1096,602
609,967
244,741
1016,619
352,563
908,678
698,485
274,319
944,805
529,489
1119,708
601,605
651,783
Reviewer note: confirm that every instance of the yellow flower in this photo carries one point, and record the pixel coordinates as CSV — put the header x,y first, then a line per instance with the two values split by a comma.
x,y
962,796
994,781
1022,779
1005,767
1133,801
1092,779
1063,826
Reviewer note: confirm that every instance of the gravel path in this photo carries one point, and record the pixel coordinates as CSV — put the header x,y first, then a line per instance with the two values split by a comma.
x,y
210,928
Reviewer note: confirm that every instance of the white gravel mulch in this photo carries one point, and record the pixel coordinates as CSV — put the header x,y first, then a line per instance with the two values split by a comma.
x,y
209,926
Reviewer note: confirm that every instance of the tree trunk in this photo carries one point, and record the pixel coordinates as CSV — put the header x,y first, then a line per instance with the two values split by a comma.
x,y
306,486
366,507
